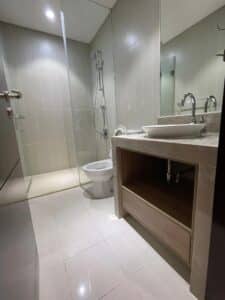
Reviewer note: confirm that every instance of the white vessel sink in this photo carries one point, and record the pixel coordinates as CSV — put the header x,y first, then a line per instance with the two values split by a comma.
x,y
174,131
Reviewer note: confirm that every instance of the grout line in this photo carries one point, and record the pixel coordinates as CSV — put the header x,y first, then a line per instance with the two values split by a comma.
x,y
110,291
53,192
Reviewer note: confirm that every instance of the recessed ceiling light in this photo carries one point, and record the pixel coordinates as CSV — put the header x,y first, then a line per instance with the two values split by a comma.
x,y
49,13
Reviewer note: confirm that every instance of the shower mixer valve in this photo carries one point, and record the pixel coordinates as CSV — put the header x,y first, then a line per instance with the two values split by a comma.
x,y
105,133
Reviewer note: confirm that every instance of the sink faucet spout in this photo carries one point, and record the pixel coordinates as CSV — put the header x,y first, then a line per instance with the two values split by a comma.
x,y
193,102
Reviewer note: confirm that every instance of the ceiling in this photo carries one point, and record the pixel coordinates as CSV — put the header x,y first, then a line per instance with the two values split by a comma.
x,y
106,3
179,15
83,18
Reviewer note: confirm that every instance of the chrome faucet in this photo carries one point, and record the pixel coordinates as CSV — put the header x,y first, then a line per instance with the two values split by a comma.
x,y
193,102
208,100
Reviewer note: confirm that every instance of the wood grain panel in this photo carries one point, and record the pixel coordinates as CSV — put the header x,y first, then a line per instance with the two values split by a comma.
x,y
173,235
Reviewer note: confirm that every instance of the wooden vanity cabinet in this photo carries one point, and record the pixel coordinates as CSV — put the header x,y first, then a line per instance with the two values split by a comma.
x,y
165,209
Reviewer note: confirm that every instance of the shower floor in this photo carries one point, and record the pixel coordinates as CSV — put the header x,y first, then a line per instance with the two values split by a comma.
x,y
52,182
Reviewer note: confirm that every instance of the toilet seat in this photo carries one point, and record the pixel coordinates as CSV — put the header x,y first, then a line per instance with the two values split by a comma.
x,y
99,166
99,171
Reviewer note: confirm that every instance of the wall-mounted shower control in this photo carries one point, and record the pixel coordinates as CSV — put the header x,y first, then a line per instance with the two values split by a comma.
x,y
7,96
13,94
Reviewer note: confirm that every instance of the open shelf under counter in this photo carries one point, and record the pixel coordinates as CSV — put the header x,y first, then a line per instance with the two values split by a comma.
x,y
173,234
174,200
164,207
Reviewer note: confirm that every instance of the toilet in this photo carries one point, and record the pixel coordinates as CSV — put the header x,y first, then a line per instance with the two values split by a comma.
x,y
101,175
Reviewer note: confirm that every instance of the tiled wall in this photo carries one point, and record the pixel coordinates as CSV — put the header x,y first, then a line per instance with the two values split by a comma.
x,y
136,34
36,65
130,43
81,102
104,42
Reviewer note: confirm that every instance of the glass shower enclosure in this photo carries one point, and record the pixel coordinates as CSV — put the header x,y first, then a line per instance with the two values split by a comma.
x,y
91,83
63,66
35,65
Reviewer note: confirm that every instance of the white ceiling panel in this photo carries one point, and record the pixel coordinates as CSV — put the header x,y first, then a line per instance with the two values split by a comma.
x,y
83,18
179,15
30,14
106,3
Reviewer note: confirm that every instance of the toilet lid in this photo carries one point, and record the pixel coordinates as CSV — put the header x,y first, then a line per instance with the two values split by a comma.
x,y
99,165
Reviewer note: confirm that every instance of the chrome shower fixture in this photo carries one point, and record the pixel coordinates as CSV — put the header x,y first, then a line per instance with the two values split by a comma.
x,y
209,100
99,60
99,67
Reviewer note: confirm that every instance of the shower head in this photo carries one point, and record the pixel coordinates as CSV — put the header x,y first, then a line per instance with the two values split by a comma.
x,y
99,60
95,54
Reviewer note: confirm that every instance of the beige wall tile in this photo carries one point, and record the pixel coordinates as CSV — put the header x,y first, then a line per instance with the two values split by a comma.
x,y
137,61
36,65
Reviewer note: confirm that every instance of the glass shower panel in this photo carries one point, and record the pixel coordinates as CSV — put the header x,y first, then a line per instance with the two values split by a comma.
x,y
88,45
36,66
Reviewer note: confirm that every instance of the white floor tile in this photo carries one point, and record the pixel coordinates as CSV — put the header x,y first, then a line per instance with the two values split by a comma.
x,y
79,234
150,282
107,223
128,291
86,252
129,249
53,282
46,238
93,273
55,181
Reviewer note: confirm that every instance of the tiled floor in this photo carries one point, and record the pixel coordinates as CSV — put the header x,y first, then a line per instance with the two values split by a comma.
x,y
85,252
48,183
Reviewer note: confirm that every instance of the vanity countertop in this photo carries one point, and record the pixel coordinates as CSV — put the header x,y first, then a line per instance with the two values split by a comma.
x,y
200,152
195,150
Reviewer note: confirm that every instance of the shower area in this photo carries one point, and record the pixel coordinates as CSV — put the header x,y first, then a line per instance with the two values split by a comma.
x,y
64,70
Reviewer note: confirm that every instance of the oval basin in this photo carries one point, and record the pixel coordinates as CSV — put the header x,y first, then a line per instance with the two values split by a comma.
x,y
174,130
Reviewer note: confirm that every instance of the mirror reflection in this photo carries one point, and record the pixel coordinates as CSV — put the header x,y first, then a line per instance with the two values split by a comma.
x,y
192,50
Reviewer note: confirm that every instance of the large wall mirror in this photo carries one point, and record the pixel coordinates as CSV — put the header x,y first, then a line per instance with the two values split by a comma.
x,y
192,37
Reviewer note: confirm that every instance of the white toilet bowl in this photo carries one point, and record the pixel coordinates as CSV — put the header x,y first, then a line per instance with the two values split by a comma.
x,y
101,174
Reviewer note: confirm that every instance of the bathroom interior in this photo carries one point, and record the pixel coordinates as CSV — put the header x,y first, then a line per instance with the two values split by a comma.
x,y
62,120
110,113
